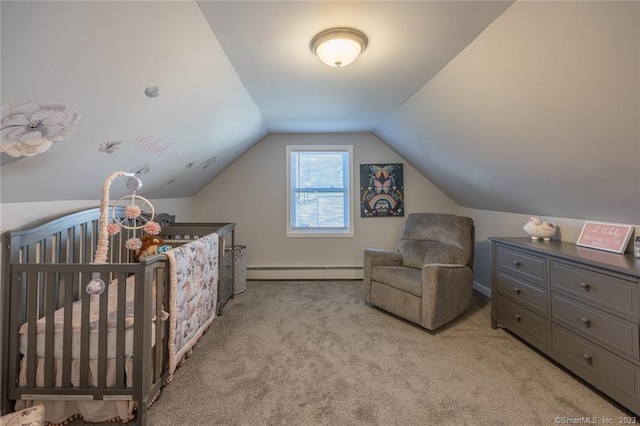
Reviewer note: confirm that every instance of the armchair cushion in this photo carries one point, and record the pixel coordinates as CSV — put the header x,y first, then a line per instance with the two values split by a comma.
x,y
436,238
416,253
405,279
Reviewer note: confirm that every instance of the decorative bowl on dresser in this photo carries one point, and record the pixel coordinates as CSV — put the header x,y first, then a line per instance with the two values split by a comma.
x,y
579,306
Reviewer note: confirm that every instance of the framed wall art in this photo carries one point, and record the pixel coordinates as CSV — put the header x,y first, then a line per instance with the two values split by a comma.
x,y
605,236
381,190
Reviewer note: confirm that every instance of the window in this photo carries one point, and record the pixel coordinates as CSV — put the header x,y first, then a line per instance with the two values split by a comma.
x,y
319,191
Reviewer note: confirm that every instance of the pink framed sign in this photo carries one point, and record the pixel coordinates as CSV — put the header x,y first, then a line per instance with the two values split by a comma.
x,y
605,236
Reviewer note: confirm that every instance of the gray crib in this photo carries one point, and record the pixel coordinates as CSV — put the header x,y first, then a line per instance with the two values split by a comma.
x,y
46,268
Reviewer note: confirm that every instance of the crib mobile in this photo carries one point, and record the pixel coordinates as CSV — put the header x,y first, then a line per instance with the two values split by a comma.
x,y
133,207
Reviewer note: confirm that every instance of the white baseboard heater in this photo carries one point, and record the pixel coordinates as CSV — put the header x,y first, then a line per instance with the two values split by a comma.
x,y
304,273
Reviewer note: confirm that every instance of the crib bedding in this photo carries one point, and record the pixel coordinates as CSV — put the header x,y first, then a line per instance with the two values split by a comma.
x,y
193,281
93,344
94,323
59,412
193,296
193,290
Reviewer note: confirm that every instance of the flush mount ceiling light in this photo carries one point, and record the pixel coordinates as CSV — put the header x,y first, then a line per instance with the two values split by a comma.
x,y
338,47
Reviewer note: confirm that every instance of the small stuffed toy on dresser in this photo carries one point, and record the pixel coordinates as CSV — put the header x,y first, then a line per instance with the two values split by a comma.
x,y
539,229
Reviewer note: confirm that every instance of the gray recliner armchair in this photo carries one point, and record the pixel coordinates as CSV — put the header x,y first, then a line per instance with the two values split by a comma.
x,y
428,280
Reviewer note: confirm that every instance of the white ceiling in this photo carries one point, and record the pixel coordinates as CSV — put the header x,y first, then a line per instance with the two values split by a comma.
x,y
409,43
529,107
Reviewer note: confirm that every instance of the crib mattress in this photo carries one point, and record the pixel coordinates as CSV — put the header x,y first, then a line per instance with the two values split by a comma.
x,y
93,324
93,343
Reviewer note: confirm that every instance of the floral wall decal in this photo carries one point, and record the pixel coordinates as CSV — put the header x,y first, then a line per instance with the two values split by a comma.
x,y
209,162
152,92
140,170
30,128
109,147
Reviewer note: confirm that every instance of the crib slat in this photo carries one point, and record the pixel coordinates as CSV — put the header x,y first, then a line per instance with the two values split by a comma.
x,y
102,335
120,330
49,254
84,332
159,299
62,248
69,286
114,249
61,257
76,238
88,242
32,316
15,320
50,297
141,340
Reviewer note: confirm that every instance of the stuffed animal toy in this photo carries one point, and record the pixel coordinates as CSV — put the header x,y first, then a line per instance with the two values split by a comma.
x,y
150,245
165,248
537,229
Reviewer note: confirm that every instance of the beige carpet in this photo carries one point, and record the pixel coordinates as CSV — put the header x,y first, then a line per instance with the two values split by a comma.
x,y
311,353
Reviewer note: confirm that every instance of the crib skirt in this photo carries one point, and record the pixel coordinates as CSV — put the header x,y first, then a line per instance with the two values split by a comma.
x,y
58,412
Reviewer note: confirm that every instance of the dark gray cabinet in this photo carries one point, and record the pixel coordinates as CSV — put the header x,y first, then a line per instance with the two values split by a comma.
x,y
577,305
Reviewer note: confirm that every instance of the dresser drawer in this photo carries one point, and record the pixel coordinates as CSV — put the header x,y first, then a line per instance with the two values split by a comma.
x,y
607,371
522,321
617,334
606,291
526,266
533,297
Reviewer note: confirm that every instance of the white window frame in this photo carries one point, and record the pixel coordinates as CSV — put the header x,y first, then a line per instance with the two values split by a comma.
x,y
347,231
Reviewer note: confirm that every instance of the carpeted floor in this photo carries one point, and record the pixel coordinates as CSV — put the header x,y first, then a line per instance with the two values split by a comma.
x,y
311,353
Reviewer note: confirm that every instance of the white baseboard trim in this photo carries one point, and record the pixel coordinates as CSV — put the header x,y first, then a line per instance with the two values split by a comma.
x,y
482,288
321,273
304,273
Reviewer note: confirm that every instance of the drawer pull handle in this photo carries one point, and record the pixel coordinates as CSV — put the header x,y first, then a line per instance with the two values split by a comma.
x,y
588,358
518,318
516,290
585,286
517,264
586,321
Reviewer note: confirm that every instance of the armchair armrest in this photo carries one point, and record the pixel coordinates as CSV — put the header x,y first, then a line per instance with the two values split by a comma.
x,y
446,292
444,265
377,257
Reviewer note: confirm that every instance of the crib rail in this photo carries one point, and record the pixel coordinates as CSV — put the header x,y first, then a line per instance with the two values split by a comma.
x,y
41,288
46,267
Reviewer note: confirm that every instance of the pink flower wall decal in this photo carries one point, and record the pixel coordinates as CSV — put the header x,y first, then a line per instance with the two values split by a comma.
x,y
30,128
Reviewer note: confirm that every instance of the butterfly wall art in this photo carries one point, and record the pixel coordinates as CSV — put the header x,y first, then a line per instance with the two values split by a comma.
x,y
381,190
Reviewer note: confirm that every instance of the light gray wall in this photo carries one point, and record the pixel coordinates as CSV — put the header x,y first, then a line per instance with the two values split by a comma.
x,y
252,193
501,224
17,215
202,120
539,115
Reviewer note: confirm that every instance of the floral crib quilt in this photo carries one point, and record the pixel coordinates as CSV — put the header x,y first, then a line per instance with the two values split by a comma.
x,y
193,294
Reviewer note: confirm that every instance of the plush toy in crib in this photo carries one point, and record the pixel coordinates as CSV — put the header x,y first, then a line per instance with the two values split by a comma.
x,y
165,248
537,229
150,246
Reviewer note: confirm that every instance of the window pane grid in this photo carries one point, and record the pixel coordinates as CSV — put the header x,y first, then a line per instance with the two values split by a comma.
x,y
319,190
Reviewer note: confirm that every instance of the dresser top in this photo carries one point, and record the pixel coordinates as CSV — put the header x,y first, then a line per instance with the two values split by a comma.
x,y
622,263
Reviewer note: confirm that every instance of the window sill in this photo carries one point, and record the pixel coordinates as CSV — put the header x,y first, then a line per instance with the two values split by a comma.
x,y
314,233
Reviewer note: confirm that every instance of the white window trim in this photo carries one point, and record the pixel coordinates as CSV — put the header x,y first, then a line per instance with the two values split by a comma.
x,y
314,232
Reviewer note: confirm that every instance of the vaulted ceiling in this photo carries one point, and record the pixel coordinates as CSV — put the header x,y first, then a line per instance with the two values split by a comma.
x,y
529,107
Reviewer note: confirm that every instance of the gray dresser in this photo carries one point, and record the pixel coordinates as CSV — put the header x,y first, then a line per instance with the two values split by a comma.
x,y
579,306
